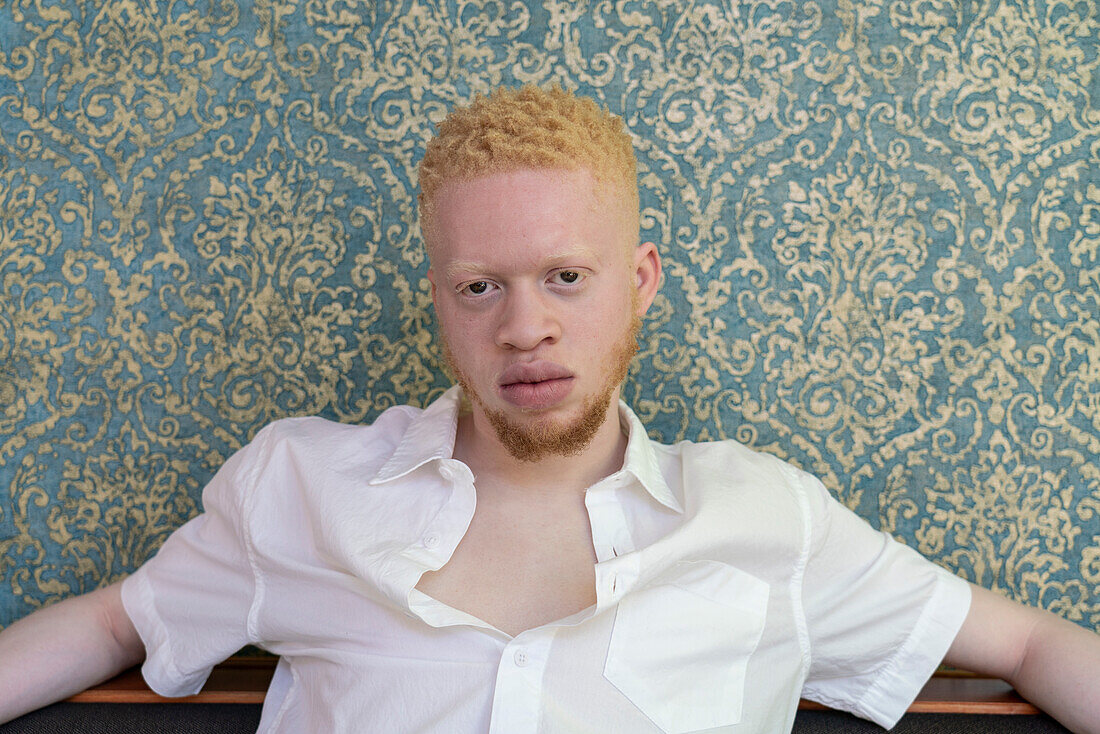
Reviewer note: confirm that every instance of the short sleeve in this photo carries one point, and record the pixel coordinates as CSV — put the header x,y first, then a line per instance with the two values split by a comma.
x,y
879,616
191,602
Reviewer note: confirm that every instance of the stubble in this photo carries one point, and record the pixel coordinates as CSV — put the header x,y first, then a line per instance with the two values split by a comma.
x,y
541,436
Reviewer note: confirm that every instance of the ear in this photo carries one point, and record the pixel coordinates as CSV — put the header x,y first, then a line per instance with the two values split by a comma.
x,y
647,274
431,279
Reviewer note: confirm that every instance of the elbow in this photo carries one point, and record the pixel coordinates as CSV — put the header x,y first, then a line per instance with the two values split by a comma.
x,y
126,647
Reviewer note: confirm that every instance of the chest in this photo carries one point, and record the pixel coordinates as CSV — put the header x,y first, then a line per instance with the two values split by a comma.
x,y
518,571
707,640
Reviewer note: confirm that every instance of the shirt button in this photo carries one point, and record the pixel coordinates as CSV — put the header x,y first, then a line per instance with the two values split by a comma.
x,y
446,472
520,658
431,540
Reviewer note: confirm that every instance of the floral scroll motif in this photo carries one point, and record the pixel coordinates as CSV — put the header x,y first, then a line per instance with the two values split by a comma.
x,y
880,225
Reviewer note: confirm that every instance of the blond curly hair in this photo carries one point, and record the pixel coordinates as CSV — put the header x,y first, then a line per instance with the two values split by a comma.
x,y
528,127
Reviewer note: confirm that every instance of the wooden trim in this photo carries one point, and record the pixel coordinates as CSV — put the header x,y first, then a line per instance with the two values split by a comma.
x,y
970,695
245,680
953,694
237,680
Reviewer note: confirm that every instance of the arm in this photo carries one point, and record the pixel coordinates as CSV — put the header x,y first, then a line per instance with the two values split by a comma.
x,y
63,649
1052,662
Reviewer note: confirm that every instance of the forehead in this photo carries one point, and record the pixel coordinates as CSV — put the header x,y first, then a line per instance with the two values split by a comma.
x,y
524,214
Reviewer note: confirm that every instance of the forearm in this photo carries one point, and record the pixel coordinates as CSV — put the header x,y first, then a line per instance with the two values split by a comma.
x,y
1053,663
1059,673
63,649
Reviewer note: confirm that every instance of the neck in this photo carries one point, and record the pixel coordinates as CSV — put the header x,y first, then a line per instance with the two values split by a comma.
x,y
477,445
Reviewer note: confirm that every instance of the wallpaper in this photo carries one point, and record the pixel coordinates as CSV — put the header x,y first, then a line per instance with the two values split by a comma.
x,y
880,223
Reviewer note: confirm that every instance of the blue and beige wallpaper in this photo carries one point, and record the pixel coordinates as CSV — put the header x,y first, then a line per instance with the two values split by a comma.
x,y
880,222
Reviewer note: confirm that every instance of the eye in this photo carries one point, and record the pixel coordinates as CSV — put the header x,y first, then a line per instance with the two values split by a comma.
x,y
476,288
568,277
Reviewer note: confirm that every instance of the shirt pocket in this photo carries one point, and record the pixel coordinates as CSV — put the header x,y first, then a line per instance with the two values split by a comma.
x,y
679,647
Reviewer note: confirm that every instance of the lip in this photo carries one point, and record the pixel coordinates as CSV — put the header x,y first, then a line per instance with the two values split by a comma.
x,y
535,385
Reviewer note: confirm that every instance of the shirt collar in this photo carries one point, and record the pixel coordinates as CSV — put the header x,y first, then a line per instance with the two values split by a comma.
x,y
431,437
641,460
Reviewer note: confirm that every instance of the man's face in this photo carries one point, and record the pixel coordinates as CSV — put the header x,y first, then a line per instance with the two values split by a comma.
x,y
539,289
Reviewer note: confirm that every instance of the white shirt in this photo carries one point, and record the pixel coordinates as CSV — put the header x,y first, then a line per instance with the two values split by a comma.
x,y
728,584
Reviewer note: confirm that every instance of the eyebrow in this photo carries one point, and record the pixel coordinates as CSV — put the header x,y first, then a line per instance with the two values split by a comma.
x,y
460,267
455,269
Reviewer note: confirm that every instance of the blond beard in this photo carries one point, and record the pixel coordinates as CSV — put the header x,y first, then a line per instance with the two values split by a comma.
x,y
541,437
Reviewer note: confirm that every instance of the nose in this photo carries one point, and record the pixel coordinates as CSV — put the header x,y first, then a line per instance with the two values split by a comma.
x,y
527,320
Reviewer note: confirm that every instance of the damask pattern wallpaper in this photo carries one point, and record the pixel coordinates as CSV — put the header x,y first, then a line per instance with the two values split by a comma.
x,y
880,222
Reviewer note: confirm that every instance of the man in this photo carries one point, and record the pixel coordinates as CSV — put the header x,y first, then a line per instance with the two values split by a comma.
x,y
519,556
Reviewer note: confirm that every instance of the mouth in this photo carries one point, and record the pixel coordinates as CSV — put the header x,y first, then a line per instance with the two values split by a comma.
x,y
535,385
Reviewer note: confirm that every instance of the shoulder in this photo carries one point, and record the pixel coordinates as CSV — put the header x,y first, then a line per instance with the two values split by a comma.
x,y
290,453
308,434
299,474
751,508
727,466
737,489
